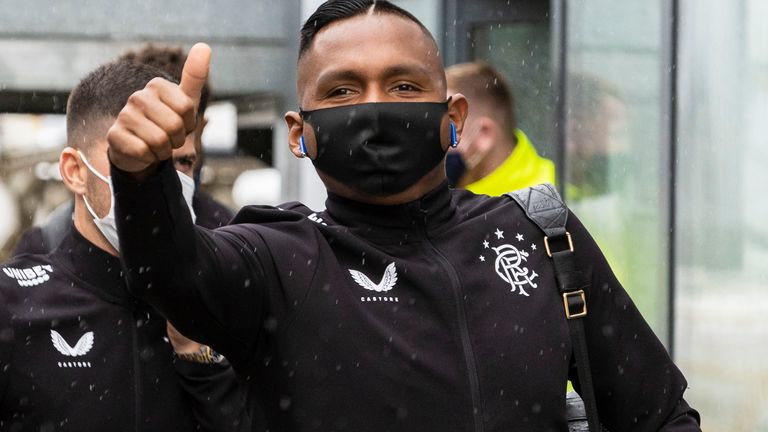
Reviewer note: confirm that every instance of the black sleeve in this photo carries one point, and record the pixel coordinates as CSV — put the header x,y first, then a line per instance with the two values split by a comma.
x,y
637,386
209,284
210,213
218,400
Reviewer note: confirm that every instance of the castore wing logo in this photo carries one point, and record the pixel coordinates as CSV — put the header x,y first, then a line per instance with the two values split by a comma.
x,y
388,281
81,348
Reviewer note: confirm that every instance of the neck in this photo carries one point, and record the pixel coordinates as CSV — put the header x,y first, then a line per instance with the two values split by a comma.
x,y
488,164
427,183
85,226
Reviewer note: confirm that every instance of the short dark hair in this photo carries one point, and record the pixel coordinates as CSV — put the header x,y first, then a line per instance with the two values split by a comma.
x,y
101,95
485,88
169,59
337,10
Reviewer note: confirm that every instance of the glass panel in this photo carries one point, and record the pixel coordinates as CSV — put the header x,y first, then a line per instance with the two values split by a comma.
x,y
616,175
722,237
521,51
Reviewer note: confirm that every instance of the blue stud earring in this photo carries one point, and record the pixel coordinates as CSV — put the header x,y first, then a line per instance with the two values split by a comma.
x,y
454,139
302,147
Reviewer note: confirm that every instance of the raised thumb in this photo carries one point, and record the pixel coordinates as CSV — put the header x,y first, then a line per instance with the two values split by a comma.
x,y
195,72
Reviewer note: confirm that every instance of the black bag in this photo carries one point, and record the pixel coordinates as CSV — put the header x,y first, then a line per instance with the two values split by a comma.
x,y
543,205
575,413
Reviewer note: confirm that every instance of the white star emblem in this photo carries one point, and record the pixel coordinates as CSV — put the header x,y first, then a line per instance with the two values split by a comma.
x,y
482,258
499,234
485,244
533,246
519,237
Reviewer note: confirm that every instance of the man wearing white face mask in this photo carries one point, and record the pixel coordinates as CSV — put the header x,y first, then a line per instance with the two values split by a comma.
x,y
43,238
77,352
106,224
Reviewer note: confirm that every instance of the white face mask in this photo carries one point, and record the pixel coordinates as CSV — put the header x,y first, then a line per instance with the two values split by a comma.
x,y
107,224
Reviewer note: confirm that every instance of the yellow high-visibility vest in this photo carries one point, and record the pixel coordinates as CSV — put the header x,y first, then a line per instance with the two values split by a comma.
x,y
523,168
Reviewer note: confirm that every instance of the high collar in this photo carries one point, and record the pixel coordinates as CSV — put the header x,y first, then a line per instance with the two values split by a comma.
x,y
425,216
96,269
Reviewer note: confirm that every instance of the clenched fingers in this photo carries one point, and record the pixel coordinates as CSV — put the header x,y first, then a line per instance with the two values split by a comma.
x,y
143,104
153,135
127,151
173,97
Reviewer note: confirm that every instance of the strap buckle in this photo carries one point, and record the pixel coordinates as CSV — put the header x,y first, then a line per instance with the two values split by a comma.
x,y
546,243
580,299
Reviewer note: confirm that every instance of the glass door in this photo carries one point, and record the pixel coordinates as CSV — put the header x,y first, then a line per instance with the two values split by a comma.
x,y
515,38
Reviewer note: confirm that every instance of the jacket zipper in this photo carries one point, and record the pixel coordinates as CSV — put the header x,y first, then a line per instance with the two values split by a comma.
x,y
136,373
469,355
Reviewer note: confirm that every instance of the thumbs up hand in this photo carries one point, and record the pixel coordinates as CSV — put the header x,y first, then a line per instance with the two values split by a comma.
x,y
158,118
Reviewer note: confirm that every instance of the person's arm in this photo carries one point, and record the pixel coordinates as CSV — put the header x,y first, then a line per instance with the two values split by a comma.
x,y
637,385
209,284
217,399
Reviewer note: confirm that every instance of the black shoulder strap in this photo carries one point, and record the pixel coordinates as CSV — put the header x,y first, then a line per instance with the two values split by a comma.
x,y
543,205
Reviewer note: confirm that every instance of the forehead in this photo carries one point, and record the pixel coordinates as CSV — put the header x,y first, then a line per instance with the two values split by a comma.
x,y
367,42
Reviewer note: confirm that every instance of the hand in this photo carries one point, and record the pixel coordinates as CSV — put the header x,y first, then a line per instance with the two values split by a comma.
x,y
180,343
158,118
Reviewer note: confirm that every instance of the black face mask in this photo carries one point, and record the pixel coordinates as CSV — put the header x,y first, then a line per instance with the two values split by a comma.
x,y
454,167
378,148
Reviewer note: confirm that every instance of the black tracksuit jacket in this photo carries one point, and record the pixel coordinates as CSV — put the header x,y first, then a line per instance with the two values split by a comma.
x,y
437,315
77,353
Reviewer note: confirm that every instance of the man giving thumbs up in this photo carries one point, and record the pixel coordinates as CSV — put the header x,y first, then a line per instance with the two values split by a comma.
x,y
388,310
158,118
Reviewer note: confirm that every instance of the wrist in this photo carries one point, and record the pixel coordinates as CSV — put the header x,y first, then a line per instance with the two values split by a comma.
x,y
203,355
136,170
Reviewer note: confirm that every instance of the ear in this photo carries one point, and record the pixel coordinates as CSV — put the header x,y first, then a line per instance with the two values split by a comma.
x,y
487,135
458,108
73,171
295,131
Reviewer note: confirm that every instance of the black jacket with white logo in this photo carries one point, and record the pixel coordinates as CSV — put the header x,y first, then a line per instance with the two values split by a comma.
x,y
77,353
437,315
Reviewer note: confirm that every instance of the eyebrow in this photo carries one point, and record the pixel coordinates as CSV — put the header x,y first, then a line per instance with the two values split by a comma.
x,y
340,75
406,69
390,72
189,155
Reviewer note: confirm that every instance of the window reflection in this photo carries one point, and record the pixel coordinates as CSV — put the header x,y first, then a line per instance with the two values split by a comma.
x,y
722,299
615,171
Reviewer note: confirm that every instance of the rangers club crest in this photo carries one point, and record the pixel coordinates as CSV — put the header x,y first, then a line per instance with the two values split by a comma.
x,y
509,262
